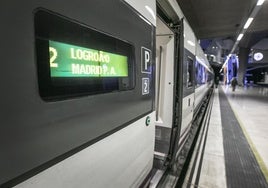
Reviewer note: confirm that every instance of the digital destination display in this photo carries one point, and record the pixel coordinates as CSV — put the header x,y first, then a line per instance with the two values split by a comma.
x,y
74,61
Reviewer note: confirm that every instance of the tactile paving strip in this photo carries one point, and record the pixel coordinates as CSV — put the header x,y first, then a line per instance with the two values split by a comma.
x,y
242,169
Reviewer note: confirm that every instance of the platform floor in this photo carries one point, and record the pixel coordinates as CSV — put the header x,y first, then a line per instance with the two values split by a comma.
x,y
236,149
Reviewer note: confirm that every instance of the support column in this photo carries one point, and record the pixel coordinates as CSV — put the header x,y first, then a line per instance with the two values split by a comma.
x,y
243,61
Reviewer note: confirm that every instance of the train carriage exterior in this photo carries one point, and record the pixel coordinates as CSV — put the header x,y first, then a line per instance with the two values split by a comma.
x,y
180,92
96,93
74,127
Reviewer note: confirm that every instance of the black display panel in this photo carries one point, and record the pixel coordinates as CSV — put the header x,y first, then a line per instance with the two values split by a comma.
x,y
75,60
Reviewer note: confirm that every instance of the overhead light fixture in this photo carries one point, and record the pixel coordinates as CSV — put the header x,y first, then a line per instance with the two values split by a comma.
x,y
258,56
248,23
240,37
260,2
253,14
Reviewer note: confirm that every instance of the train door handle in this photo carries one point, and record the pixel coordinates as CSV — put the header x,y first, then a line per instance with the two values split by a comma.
x,y
189,102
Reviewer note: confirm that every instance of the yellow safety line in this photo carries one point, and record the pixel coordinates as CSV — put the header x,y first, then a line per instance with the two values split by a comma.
x,y
252,146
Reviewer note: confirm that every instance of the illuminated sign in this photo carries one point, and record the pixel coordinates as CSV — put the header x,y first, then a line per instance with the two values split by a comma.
x,y
74,61
146,60
258,56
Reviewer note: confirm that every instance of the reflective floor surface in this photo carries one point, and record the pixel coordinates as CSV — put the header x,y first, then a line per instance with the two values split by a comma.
x,y
250,108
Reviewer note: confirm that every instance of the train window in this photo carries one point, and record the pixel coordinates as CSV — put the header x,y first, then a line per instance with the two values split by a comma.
x,y
190,64
75,60
200,74
196,74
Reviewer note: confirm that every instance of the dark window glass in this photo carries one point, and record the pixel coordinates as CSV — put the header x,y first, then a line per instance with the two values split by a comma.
x,y
200,74
190,64
75,60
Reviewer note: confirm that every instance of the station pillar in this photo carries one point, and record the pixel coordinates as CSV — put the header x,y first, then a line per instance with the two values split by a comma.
x,y
243,61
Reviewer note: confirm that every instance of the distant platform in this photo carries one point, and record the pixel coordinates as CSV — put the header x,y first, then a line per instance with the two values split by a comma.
x,y
265,84
235,152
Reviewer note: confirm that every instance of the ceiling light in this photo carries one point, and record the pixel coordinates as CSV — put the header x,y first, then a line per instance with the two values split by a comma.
x,y
240,37
260,2
248,23
258,56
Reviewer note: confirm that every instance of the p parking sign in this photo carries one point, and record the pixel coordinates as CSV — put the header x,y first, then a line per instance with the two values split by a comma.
x,y
146,60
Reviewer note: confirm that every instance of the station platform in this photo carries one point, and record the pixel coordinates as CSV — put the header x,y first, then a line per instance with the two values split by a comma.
x,y
234,150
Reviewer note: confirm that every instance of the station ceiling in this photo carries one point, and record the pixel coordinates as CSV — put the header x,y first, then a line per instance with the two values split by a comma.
x,y
223,19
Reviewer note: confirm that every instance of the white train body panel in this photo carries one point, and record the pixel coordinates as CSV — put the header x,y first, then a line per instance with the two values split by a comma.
x,y
200,92
115,161
187,112
174,4
188,99
147,8
189,38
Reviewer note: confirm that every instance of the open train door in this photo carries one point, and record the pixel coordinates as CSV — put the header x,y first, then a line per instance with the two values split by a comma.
x,y
168,103
165,43
174,95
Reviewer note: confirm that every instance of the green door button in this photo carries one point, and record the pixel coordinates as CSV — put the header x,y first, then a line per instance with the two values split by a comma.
x,y
148,120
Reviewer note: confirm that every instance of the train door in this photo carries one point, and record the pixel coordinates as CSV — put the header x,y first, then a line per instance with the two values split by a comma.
x,y
184,95
165,43
175,93
175,59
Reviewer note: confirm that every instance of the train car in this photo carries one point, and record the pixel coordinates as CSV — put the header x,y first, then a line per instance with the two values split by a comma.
x,y
77,84
98,93
183,82
203,77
